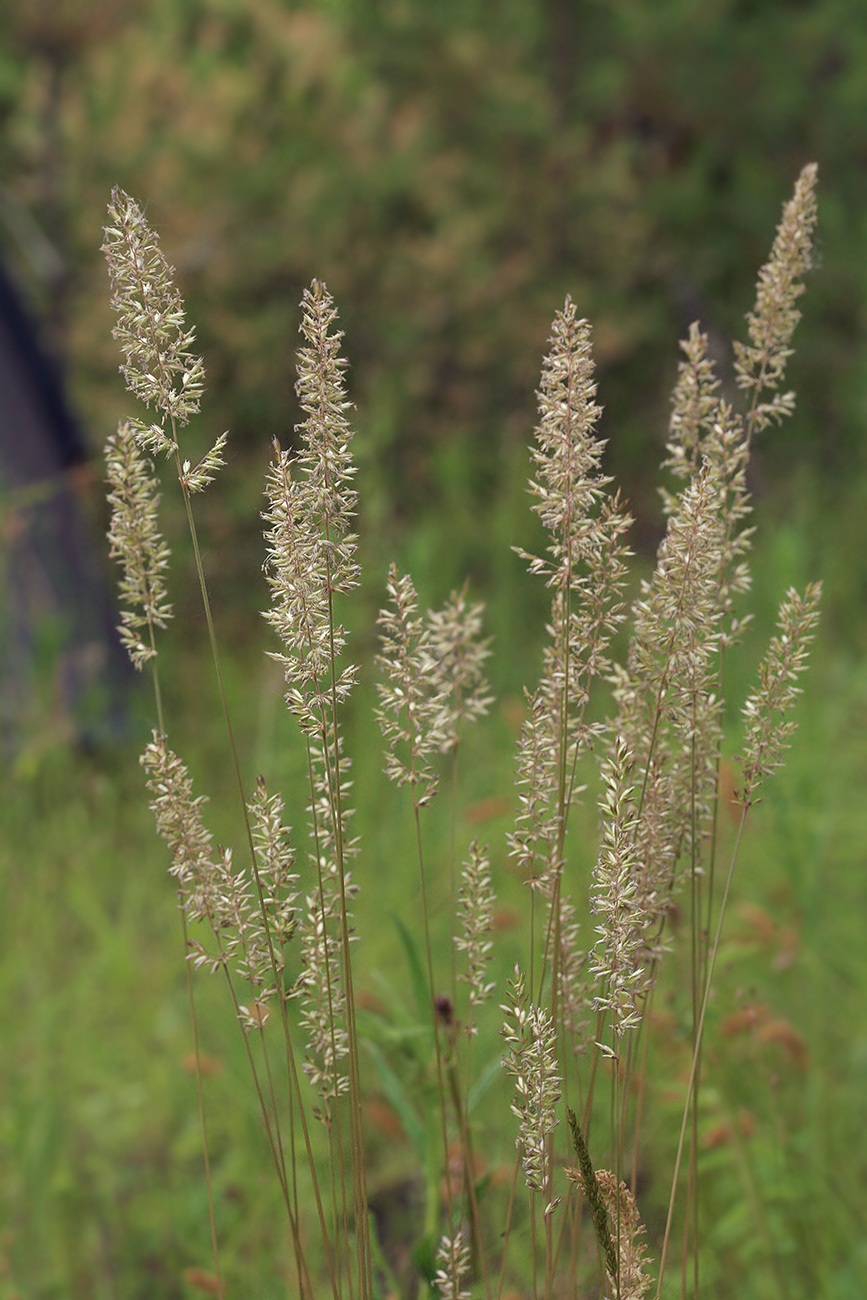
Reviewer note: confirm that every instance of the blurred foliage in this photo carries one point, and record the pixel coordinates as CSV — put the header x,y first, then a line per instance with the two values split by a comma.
x,y
451,171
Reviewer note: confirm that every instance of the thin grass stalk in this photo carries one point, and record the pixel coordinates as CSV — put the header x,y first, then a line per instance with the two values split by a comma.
x,y
634,1039
279,1154
360,1164
272,1129
323,729
644,1037
272,1132
200,1096
699,1034
507,1230
436,1027
149,310
692,1200
614,1143
295,1091
133,538
338,1202
478,1257
295,1084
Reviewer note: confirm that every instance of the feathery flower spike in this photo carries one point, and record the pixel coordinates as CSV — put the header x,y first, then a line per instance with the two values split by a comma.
x,y
134,539
160,367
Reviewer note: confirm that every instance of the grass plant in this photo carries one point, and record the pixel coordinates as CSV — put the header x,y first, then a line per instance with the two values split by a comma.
x,y
626,837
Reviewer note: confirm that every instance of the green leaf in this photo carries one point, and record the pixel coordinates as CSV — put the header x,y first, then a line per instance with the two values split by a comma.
x,y
417,975
394,1090
483,1083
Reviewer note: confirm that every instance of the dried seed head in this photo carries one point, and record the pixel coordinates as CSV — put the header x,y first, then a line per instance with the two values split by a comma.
x,y
616,900
476,909
632,1282
459,653
769,728
532,1062
453,1259
160,367
761,364
412,711
134,539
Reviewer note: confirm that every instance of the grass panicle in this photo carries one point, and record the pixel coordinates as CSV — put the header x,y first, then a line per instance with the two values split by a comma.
x,y
412,713
760,365
476,908
631,1281
532,1062
161,369
135,540
453,1258
459,651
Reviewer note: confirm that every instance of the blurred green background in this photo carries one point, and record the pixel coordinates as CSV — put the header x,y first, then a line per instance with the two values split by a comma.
x,y
451,170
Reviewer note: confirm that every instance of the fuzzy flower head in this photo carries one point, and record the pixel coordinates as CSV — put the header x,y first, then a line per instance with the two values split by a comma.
x,y
585,556
412,696
761,364
324,458
632,1281
695,403
180,824
616,899
453,1265
532,1061
323,995
310,550
460,654
160,366
299,610
769,727
476,909
584,567
567,454
135,540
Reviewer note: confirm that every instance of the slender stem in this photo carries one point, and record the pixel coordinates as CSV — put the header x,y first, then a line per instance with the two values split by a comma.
x,y
696,1054
194,1024
468,1160
155,677
432,995
508,1228
642,1076
360,1163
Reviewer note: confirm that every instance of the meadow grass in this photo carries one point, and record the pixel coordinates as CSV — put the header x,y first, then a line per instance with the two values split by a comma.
x,y
102,1193
660,774
595,958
